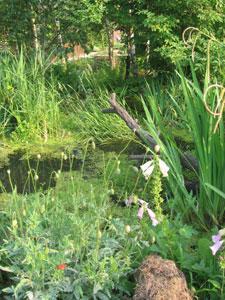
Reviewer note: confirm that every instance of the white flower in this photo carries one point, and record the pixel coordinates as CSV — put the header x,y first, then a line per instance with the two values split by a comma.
x,y
149,166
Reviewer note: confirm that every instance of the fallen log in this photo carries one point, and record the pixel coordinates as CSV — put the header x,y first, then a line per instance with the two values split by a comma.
x,y
187,160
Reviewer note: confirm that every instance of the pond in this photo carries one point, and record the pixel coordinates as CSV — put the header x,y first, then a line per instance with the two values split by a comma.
x,y
21,171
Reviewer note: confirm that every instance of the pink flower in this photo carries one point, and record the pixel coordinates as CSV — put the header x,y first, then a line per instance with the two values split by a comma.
x,y
144,206
129,201
152,217
215,247
217,241
216,238
140,212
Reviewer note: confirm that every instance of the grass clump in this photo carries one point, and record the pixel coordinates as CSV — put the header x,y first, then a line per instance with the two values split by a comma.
x,y
29,102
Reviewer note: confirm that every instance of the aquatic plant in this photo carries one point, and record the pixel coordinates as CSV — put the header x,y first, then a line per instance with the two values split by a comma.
x,y
29,105
208,207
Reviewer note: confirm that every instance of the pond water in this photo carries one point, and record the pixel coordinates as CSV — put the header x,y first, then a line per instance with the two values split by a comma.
x,y
19,171
23,167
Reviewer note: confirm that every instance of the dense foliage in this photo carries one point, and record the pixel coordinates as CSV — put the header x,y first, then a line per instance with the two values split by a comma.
x,y
84,236
153,29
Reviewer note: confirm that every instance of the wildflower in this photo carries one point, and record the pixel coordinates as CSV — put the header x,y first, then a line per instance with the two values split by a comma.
x,y
140,212
8,171
65,157
217,241
143,208
39,156
131,200
149,166
216,246
61,267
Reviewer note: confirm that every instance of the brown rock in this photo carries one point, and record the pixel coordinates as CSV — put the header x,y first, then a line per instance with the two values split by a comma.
x,y
160,279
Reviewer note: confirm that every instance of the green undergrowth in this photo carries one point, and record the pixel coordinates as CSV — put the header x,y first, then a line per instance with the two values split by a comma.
x,y
76,242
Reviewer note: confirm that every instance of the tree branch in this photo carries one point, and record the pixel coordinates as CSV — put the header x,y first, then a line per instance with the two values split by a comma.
x,y
188,161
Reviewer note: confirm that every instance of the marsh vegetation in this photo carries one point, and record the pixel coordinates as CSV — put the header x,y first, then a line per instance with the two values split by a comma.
x,y
84,196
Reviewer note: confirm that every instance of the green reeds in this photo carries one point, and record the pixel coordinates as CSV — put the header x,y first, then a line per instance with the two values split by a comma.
x,y
29,102
207,207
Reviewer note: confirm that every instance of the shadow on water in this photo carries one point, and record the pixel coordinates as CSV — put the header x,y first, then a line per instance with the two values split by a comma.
x,y
20,171
23,168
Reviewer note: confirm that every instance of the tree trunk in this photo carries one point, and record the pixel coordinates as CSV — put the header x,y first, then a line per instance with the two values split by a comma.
x,y
131,64
60,39
35,34
110,38
133,56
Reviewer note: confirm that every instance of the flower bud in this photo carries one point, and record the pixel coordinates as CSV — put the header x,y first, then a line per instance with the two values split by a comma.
x,y
8,171
36,177
135,199
14,224
157,148
42,209
99,234
127,229
93,145
222,232
39,156
118,171
135,169
111,191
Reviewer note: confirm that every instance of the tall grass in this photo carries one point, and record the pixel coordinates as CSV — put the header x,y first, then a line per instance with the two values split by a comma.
x,y
29,102
90,121
209,148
